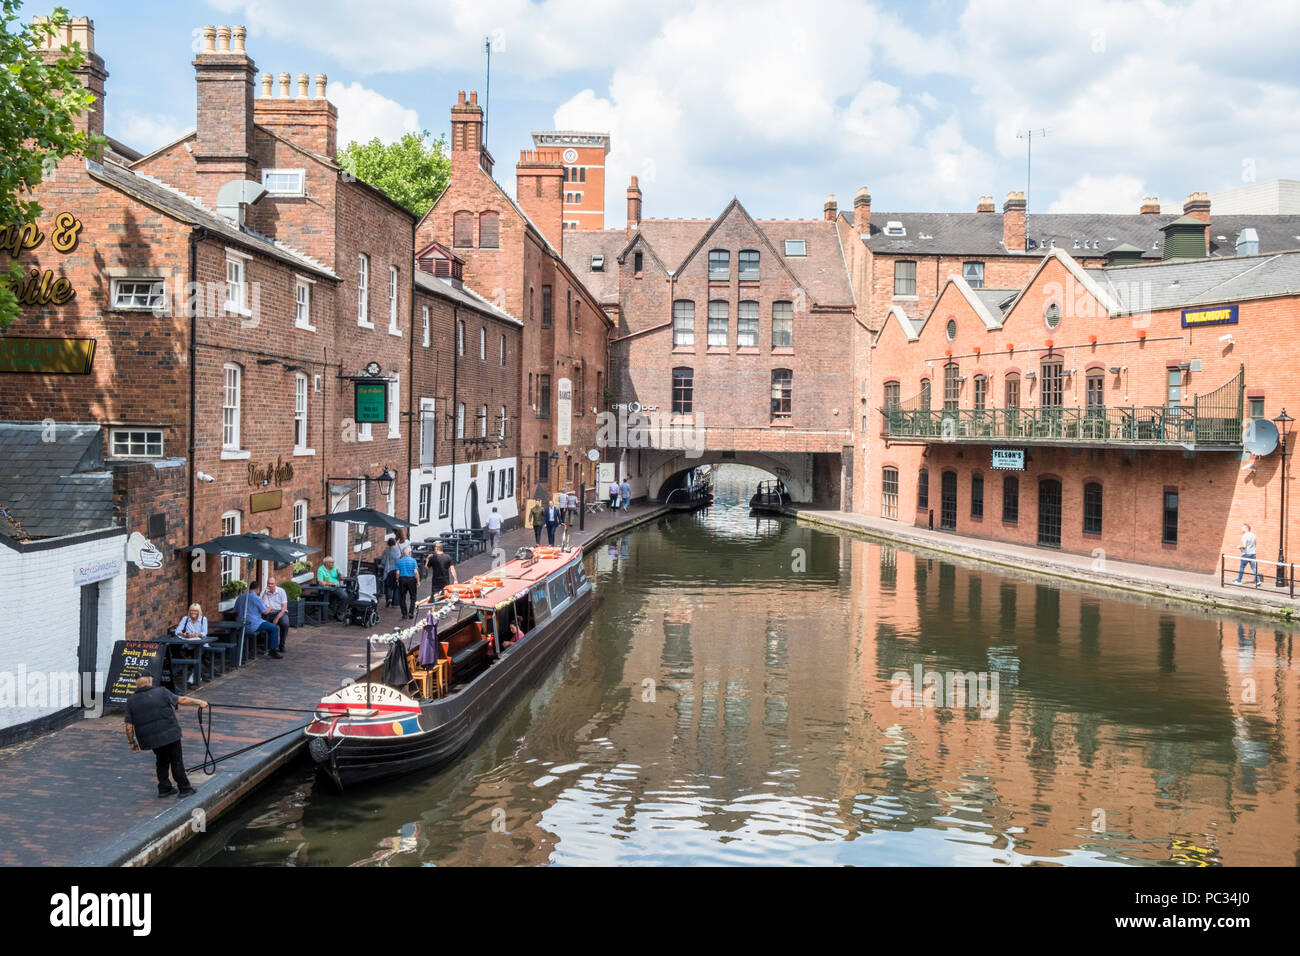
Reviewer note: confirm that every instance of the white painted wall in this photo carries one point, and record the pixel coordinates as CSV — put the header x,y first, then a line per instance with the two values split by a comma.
x,y
460,511
40,625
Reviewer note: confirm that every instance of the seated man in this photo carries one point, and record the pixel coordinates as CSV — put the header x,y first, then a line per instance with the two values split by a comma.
x,y
277,610
327,576
251,612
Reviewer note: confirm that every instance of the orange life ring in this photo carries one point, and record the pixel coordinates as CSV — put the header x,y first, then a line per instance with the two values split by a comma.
x,y
462,591
488,581
547,552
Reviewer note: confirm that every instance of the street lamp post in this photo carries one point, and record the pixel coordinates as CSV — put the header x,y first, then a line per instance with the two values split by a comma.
x,y
1282,421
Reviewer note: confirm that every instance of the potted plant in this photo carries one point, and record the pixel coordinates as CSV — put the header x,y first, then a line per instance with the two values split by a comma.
x,y
302,571
231,590
293,591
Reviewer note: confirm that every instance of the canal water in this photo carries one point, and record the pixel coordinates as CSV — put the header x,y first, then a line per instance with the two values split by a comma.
x,y
752,691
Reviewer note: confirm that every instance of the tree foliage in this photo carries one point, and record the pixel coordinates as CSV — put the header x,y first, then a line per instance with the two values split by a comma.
x,y
413,171
39,106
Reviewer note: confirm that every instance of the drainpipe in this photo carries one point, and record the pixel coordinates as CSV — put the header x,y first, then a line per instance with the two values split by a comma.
x,y
197,235
455,407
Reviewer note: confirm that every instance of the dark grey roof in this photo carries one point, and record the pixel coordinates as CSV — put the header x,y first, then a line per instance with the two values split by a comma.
x,y
463,295
52,488
1187,283
997,301
1079,234
188,209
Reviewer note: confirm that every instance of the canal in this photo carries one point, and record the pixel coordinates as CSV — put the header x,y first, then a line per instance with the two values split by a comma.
x,y
752,691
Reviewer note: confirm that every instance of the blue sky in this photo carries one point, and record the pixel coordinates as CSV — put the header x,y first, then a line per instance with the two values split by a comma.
x,y
779,103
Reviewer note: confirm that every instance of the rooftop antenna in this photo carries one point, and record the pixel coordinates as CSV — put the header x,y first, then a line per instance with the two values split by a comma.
x,y
1028,135
487,93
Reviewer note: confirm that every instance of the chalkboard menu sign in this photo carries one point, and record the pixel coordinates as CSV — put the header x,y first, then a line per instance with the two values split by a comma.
x,y
131,659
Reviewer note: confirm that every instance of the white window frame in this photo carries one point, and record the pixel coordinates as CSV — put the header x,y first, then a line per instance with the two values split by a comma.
x,y
428,417
133,439
394,406
301,401
425,316
300,189
444,499
503,350
363,291
796,247
482,343
237,262
501,431
392,302
460,420
302,303
460,338
299,533
967,266
230,565
231,413
482,430
425,511
152,289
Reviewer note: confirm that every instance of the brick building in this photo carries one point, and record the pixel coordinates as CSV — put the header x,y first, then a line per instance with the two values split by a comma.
x,y
210,306
583,155
511,253
731,332
1105,410
464,401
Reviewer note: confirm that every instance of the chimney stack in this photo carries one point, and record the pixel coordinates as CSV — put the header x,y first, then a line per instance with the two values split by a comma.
x,y
1013,222
539,190
80,30
224,135
467,148
1150,207
986,205
1197,205
829,209
311,122
633,207
862,212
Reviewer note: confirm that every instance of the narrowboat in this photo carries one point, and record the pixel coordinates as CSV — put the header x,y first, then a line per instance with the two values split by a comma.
x,y
770,498
371,730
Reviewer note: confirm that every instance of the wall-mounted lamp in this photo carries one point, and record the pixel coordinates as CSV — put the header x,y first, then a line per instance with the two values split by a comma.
x,y
1031,375
1227,339
1114,370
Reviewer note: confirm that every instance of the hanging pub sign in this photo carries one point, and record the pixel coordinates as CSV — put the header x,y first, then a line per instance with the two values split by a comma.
x,y
1221,315
46,356
371,401
1009,459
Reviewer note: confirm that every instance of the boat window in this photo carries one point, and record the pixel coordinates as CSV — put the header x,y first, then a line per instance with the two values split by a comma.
x,y
541,607
580,573
571,581
558,595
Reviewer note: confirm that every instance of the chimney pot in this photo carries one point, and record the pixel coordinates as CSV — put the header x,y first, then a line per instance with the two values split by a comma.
x,y
302,86
830,209
237,34
267,80
209,39
986,205
862,211
284,85
321,81
223,39
1150,206
460,98
1013,222
473,97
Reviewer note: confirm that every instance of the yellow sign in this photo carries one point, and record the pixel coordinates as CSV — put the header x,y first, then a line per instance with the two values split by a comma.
x,y
266,501
40,286
1224,315
46,356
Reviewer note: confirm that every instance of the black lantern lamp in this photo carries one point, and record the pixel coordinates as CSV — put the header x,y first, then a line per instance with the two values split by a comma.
x,y
385,482
1282,421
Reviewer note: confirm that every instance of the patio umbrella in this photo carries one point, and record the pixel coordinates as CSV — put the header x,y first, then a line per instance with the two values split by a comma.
x,y
255,547
368,517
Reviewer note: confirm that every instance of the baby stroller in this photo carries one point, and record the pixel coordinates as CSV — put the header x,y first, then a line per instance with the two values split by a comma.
x,y
363,602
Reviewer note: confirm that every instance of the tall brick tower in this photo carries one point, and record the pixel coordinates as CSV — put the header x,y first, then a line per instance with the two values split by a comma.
x,y
583,155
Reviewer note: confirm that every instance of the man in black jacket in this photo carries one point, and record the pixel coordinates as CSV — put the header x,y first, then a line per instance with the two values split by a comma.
x,y
151,723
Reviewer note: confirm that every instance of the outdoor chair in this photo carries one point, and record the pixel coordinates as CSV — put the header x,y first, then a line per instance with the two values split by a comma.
x,y
186,665
231,645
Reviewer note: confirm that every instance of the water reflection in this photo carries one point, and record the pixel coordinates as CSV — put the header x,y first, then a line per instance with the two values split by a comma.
x,y
724,707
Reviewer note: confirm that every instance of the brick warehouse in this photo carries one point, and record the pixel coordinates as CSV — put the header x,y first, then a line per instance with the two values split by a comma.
x,y
226,327
511,253
732,331
1101,410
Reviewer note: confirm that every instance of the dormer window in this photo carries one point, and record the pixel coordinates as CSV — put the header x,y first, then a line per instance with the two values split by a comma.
x,y
597,263
284,182
894,228
796,247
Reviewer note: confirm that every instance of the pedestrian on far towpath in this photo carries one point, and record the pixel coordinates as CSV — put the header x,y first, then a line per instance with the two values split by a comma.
x,y
1248,546
151,724
552,520
493,531
613,495
624,494
537,517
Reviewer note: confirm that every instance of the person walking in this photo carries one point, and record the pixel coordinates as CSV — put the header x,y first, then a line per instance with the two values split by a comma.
x,y
1247,549
392,554
613,495
624,494
151,724
494,530
536,517
552,520
408,582
441,571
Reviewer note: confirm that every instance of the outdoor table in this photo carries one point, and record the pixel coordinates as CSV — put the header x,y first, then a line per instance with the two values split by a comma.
x,y
315,597
171,642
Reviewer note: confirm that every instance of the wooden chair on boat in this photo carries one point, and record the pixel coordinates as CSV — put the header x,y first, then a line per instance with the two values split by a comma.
x,y
431,682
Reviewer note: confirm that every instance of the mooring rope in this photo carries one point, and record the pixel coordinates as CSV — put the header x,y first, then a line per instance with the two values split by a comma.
x,y
209,763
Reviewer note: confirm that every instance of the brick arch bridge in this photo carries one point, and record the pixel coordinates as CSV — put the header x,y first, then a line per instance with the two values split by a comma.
x,y
812,478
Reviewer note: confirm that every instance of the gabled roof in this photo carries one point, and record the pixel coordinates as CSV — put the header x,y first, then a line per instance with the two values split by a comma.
x,y
909,328
188,209
580,245
735,206
1083,276
463,295
53,488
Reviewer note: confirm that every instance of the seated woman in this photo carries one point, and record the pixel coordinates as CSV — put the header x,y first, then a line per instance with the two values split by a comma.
x,y
193,626
516,634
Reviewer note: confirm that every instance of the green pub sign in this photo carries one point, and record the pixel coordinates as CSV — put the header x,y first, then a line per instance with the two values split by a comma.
x,y
372,401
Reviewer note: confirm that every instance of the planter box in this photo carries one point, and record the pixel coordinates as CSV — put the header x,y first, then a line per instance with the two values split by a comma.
x,y
305,577
294,609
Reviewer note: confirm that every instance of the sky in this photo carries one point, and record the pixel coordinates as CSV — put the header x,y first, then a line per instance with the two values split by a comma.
x,y
778,103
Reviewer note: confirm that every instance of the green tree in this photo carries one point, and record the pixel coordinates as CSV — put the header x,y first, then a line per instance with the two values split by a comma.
x,y
39,106
413,171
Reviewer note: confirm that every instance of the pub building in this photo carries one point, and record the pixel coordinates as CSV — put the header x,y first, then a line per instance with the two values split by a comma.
x,y
215,308
1123,411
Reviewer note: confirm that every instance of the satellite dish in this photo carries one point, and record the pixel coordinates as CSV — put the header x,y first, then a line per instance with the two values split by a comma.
x,y
593,455
1261,436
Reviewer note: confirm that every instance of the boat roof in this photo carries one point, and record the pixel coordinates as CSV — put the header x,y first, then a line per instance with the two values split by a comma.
x,y
519,575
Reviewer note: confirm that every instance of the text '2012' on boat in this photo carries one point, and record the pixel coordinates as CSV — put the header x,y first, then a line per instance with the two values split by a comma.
x,y
471,670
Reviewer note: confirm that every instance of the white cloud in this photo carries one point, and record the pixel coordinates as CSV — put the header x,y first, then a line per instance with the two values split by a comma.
x,y
145,131
1089,193
365,114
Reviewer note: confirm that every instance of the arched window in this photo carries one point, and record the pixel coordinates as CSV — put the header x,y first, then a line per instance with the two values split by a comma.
x,y
1092,508
889,493
925,395
981,392
489,230
747,263
719,265
463,230
951,387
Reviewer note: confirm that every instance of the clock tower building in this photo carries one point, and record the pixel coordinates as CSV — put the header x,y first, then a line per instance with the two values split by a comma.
x,y
583,155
